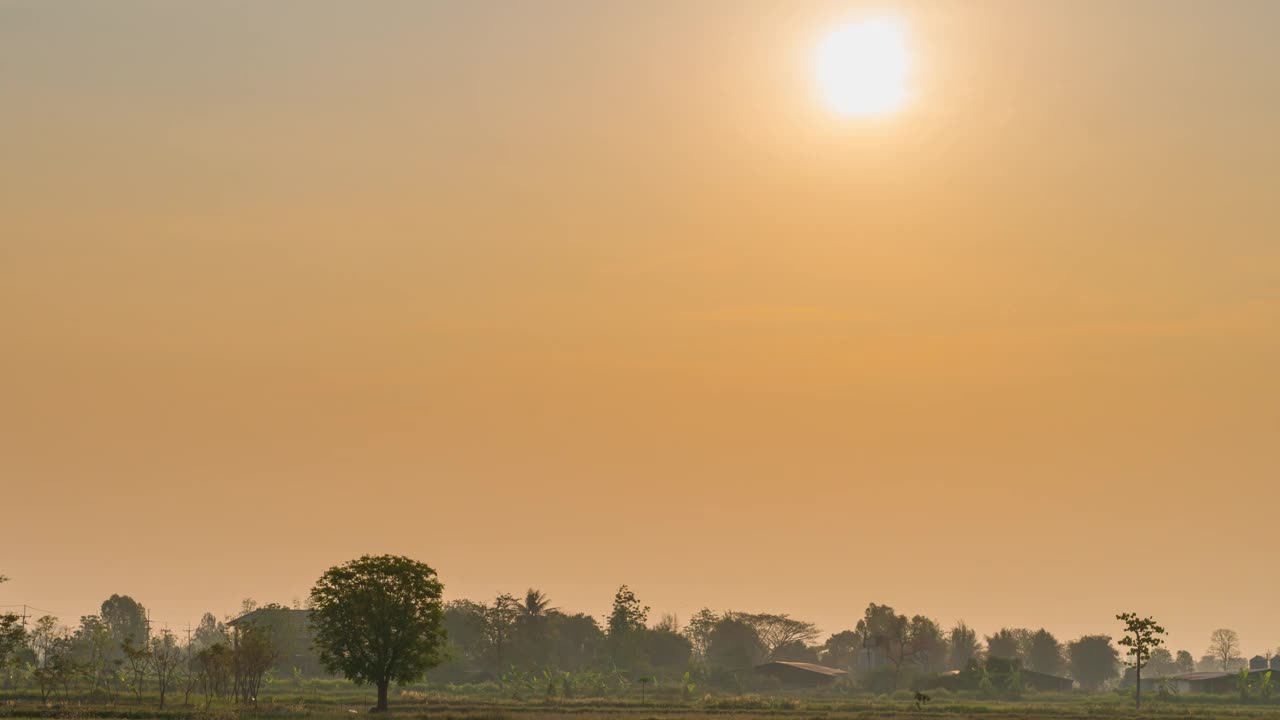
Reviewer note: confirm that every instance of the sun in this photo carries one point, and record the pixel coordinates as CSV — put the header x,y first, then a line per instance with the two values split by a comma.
x,y
862,67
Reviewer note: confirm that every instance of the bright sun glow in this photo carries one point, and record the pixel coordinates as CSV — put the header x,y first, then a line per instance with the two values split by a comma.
x,y
862,68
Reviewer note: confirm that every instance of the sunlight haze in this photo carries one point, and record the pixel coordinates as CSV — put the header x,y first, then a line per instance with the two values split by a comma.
x,y
571,294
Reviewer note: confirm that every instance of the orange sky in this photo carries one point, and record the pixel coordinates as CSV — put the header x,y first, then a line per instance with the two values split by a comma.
x,y
572,294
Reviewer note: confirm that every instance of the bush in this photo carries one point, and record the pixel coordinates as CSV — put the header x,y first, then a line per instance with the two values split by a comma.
x,y
880,681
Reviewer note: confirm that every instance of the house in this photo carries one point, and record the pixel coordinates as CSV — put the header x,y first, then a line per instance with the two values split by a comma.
x,y
1200,683
799,674
968,680
290,631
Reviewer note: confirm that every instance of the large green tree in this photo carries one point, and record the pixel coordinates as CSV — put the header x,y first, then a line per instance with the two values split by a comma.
x,y
1092,660
734,645
1044,652
126,620
379,619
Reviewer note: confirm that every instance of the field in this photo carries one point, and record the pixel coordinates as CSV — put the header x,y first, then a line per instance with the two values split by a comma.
x,y
331,699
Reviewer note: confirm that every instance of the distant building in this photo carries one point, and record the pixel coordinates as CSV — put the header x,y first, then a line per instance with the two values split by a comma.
x,y
798,674
1199,683
968,680
1257,662
290,631
1275,662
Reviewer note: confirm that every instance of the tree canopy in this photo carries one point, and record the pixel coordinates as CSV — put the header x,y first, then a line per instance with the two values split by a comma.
x,y
379,619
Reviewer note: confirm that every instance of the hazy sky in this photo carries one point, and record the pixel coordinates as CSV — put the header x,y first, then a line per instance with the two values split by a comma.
x,y
572,294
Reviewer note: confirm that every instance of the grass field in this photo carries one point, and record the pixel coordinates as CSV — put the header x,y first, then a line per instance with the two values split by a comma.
x,y
334,700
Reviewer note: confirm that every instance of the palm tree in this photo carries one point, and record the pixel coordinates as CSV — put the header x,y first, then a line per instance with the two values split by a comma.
x,y
536,604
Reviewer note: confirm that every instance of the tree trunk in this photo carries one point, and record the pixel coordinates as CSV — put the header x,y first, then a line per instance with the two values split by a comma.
x,y
1138,697
382,695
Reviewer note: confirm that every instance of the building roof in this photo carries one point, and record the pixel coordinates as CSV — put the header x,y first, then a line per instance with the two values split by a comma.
x,y
256,614
807,667
1207,675
1024,671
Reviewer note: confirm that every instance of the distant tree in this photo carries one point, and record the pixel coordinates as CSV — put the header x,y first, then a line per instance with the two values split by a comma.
x,y
44,636
1142,635
126,619
963,647
904,641
1006,643
578,641
532,637
137,658
11,637
379,619
253,652
1092,660
500,621
776,631
210,632
669,622
1224,646
1044,653
58,670
1185,662
734,645
464,625
11,633
841,650
931,644
796,651
667,651
536,604
628,615
189,674
93,648
625,629
699,631
213,666
166,662
1161,662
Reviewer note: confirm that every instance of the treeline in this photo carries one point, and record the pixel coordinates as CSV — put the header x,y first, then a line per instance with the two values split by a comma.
x,y
526,639
885,650
115,653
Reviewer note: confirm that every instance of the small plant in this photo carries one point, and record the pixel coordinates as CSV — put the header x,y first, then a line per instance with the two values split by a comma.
x,y
921,700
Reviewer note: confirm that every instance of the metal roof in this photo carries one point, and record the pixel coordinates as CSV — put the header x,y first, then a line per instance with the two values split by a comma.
x,y
808,667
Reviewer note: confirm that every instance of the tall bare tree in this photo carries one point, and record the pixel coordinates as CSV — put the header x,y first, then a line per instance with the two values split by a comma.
x,y
1224,646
